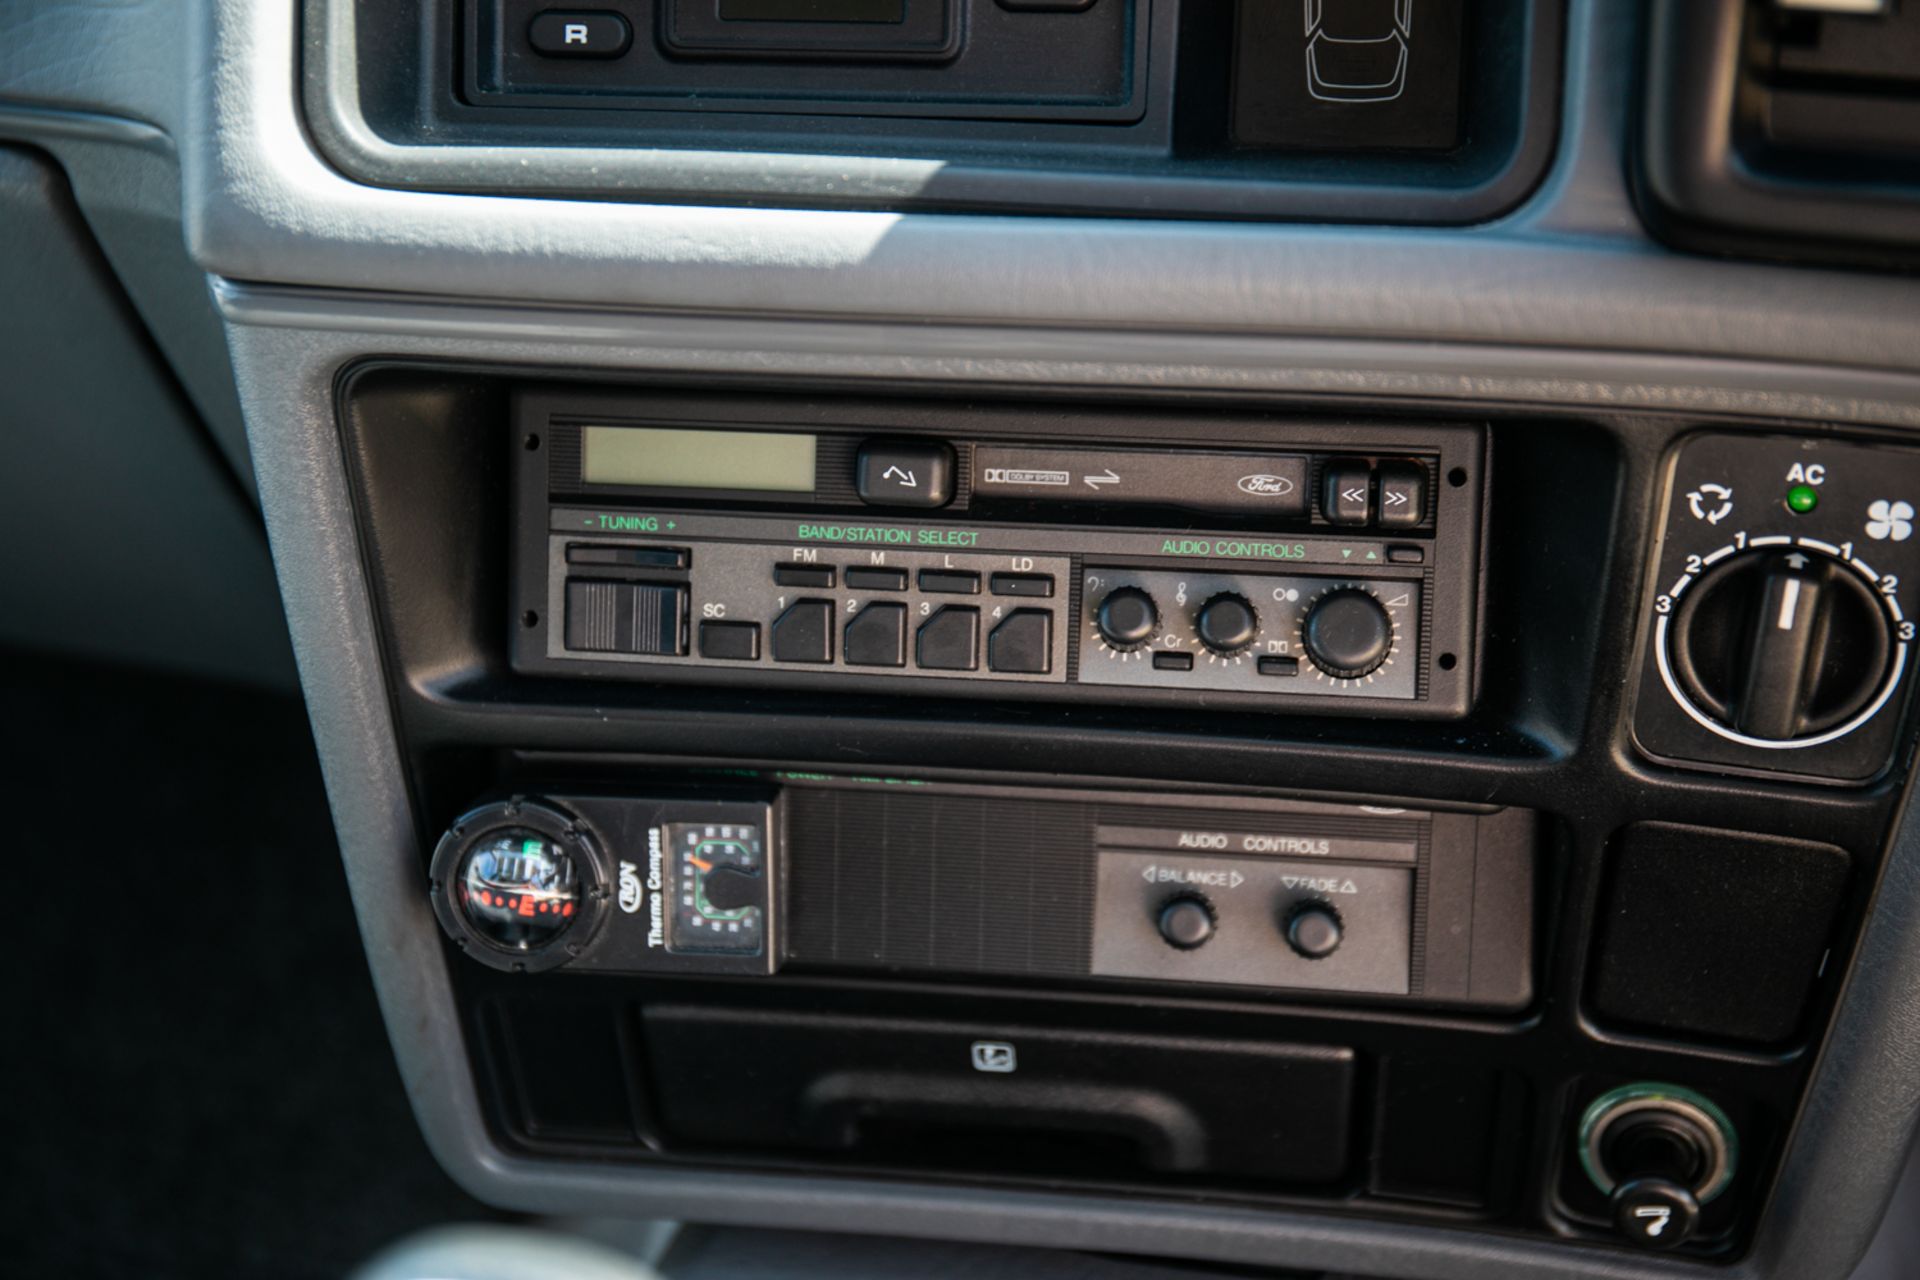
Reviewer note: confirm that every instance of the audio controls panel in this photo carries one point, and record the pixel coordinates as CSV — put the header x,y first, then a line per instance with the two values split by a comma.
x,y
1336,568
1781,630
810,871
1244,632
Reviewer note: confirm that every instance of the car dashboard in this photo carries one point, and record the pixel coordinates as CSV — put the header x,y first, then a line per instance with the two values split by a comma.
x,y
1266,634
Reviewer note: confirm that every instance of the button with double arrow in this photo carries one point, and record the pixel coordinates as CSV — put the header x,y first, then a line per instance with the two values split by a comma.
x,y
1403,496
1347,493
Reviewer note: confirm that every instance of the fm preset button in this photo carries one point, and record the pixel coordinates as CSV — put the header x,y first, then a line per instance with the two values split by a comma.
x,y
817,576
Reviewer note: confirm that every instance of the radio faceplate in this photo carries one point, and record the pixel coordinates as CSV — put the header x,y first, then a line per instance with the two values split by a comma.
x,y
1337,566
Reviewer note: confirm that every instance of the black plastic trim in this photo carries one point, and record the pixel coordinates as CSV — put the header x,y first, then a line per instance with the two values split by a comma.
x,y
1696,188
379,123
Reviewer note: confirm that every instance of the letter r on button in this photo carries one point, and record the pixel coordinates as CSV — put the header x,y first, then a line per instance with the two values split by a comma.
x,y
575,33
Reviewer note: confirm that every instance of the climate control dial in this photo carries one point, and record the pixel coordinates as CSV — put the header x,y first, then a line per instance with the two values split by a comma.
x,y
1782,647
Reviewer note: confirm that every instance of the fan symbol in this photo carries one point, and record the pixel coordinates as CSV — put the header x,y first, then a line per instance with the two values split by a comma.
x,y
1890,520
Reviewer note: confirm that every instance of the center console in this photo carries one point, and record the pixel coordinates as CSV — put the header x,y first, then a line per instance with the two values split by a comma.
x,y
1371,813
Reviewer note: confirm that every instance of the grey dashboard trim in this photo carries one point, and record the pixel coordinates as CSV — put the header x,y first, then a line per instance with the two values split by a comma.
x,y
126,180
332,99
263,205
1055,356
290,346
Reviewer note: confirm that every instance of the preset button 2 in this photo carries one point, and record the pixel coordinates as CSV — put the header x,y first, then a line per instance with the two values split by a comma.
x,y
877,636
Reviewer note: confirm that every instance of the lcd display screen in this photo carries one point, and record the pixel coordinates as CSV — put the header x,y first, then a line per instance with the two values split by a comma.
x,y
671,458
813,10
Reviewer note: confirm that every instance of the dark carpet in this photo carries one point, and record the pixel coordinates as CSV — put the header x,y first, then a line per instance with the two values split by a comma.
x,y
195,1075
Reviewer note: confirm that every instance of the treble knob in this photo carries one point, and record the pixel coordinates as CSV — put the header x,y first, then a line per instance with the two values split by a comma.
x,y
1227,624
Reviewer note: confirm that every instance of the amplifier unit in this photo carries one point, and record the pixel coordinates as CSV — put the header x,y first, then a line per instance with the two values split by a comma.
x,y
805,871
684,540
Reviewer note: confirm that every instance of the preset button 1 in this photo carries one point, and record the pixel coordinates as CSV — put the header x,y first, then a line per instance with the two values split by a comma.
x,y
804,633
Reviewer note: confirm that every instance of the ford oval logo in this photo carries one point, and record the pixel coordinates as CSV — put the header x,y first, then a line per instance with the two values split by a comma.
x,y
1266,486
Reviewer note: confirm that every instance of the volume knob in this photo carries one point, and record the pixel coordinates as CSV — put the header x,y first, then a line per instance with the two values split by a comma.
x,y
1127,618
1347,633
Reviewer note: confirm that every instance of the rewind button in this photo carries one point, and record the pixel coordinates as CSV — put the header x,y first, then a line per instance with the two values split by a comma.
x,y
1347,493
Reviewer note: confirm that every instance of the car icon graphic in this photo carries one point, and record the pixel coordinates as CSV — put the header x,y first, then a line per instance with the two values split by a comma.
x,y
1357,50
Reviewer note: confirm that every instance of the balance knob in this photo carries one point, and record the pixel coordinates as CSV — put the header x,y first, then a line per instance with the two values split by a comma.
x,y
1227,624
1186,922
1127,618
1347,634
1781,645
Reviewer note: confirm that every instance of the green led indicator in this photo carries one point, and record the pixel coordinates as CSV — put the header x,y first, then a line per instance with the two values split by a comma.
x,y
1802,498
532,848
